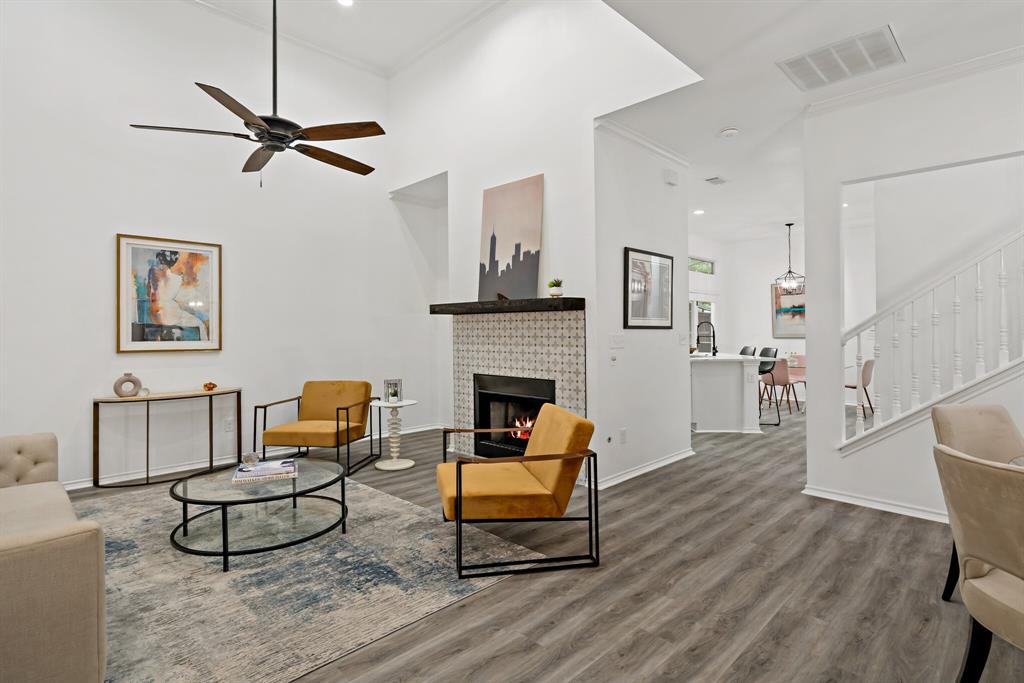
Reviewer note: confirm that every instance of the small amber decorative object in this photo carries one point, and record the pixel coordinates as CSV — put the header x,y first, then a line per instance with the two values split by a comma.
x,y
209,386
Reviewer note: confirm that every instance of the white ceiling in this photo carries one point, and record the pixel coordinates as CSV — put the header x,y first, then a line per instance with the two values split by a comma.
x,y
734,46
382,36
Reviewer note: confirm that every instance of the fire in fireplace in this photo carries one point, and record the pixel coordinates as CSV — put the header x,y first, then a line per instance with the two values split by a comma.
x,y
500,402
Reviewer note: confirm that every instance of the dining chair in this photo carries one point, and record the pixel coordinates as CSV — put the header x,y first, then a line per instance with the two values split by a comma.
x,y
866,375
985,500
986,432
763,368
777,377
747,351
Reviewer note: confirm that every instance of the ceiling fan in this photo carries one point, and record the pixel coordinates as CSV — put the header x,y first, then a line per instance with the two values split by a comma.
x,y
276,134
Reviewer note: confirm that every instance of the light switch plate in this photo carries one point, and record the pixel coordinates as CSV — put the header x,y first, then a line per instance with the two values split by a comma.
x,y
616,341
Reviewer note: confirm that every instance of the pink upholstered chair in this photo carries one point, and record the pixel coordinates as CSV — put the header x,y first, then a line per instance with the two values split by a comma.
x,y
780,377
866,373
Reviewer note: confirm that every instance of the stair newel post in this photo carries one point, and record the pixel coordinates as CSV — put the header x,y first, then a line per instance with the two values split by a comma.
x,y
979,324
897,404
1004,313
859,410
958,359
915,380
936,374
876,416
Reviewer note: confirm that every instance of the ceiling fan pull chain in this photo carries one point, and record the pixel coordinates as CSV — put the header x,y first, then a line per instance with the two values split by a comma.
x,y
261,179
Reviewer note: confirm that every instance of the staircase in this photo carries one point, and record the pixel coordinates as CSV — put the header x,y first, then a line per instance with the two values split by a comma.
x,y
953,337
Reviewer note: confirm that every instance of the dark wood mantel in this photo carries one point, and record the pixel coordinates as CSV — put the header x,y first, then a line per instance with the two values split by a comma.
x,y
510,306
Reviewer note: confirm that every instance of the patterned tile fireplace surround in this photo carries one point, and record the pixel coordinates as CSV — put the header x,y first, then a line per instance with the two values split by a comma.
x,y
542,344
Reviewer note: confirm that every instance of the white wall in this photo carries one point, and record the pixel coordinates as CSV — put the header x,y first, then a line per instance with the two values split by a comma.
x,y
893,132
321,278
516,94
636,208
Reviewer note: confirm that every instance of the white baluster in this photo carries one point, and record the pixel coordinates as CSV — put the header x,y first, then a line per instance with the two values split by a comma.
x,y
915,381
1004,313
859,409
1021,297
897,405
936,374
958,359
876,412
979,324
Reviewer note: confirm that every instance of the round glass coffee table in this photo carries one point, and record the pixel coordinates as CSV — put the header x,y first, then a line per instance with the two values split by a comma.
x,y
257,517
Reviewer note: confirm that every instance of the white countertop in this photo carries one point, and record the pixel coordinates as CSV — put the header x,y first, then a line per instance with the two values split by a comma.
x,y
735,357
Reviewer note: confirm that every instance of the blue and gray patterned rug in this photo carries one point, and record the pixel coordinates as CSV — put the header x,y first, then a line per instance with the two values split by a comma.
x,y
274,616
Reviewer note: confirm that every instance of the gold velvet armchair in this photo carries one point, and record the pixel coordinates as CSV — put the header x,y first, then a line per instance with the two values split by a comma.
x,y
331,413
535,487
985,500
986,432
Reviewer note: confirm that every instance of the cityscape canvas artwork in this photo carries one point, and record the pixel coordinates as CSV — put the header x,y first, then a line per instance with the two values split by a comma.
x,y
789,315
168,295
510,244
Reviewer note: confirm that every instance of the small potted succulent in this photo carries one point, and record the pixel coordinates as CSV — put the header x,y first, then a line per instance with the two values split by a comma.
x,y
555,287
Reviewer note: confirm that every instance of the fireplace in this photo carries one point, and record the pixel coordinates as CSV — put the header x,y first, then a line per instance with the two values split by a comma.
x,y
500,401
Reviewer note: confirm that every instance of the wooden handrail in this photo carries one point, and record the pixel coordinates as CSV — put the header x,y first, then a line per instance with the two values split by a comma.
x,y
946,276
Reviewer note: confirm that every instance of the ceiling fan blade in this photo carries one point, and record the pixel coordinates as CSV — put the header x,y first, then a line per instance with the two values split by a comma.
x,y
236,107
334,159
192,130
257,160
343,131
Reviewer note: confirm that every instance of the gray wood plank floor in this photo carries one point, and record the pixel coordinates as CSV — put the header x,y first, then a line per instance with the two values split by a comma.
x,y
715,568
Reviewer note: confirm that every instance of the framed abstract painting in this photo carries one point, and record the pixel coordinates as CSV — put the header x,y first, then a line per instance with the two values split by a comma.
x,y
789,315
168,295
647,290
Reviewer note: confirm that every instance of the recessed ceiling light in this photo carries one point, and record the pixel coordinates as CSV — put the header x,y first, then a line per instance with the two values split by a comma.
x,y
845,205
728,132
698,212
345,3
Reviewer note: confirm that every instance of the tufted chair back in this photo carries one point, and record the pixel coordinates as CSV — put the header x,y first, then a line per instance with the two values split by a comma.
x,y
28,459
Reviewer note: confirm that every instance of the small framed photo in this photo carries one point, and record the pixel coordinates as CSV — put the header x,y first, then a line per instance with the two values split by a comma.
x,y
392,390
168,295
647,290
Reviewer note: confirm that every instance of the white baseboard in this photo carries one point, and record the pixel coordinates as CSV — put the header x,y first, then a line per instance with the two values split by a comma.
x,y
274,451
633,472
154,472
878,504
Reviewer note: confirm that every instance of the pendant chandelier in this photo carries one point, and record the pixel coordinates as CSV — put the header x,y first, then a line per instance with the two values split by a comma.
x,y
790,282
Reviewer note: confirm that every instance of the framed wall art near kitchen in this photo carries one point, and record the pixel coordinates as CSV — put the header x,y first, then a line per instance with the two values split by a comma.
x,y
789,314
647,290
168,295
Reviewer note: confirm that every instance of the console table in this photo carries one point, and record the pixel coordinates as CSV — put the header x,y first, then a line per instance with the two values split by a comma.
x,y
152,398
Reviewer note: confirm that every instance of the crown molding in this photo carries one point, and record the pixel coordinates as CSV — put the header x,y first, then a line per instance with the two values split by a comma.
x,y
345,59
638,138
446,35
409,198
942,74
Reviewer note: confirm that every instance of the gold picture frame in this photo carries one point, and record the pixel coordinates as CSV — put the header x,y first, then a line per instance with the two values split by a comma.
x,y
176,304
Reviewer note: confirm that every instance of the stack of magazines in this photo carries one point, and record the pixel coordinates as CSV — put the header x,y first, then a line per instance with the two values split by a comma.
x,y
265,471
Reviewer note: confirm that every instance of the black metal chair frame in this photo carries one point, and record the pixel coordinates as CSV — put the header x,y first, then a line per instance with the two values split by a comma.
x,y
760,396
349,468
543,564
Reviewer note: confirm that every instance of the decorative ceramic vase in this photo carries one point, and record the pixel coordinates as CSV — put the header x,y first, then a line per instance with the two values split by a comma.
x,y
127,385
555,292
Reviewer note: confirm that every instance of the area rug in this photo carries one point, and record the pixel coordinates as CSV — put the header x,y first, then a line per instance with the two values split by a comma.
x,y
274,616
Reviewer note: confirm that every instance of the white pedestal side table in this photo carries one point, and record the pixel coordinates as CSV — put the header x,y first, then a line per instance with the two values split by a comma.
x,y
394,463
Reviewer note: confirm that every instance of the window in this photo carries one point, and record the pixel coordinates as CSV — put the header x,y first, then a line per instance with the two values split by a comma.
x,y
700,265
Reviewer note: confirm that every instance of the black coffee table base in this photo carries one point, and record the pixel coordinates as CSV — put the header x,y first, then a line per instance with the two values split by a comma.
x,y
181,531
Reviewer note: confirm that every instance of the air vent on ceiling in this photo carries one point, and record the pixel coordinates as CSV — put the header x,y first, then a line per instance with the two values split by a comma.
x,y
856,56
715,180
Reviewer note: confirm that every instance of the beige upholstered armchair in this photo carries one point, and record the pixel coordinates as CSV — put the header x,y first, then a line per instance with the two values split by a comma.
x,y
52,603
985,500
986,432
